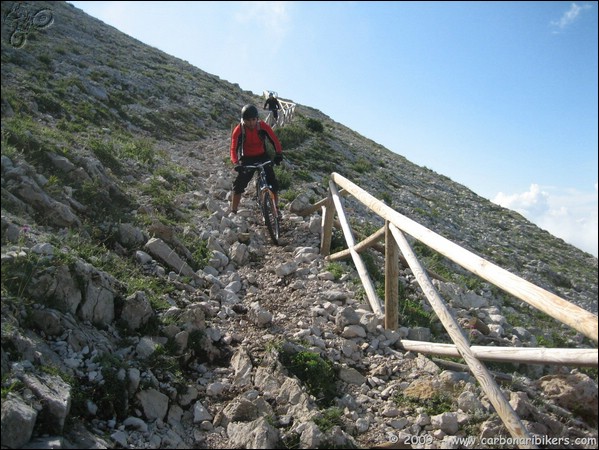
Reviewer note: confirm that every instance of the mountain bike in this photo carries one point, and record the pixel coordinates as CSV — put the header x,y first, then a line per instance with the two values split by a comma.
x,y
265,199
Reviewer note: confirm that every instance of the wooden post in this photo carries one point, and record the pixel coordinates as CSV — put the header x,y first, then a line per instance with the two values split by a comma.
x,y
375,304
391,280
326,232
484,377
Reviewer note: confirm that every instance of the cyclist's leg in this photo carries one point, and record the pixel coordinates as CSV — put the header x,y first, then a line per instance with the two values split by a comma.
x,y
235,199
239,185
271,178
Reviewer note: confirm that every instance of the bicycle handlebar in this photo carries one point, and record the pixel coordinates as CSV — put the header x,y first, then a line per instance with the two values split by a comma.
x,y
257,166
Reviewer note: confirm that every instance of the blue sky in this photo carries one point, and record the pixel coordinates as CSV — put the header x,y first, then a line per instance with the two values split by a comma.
x,y
498,96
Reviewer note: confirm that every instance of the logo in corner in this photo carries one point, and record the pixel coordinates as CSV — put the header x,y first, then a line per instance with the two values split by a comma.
x,y
23,19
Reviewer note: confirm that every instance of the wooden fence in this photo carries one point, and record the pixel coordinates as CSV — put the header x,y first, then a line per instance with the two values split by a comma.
x,y
393,231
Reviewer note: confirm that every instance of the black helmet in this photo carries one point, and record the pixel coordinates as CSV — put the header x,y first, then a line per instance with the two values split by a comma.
x,y
249,112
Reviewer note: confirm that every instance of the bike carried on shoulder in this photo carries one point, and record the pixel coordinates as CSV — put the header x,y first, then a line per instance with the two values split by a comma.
x,y
265,199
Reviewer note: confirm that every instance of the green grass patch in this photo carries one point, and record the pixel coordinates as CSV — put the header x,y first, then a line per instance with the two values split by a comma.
x,y
438,403
317,374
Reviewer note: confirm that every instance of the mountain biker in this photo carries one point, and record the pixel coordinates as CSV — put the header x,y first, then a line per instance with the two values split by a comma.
x,y
273,105
248,148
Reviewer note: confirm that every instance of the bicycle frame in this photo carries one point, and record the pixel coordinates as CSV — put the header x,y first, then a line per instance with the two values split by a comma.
x,y
265,199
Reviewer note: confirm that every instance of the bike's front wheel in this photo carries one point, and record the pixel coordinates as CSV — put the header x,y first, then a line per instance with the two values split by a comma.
x,y
271,218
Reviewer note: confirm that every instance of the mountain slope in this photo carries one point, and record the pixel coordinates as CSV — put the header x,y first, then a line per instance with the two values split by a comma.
x,y
98,76
109,145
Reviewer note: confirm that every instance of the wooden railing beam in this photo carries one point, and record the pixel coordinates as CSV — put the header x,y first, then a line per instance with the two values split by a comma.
x,y
361,246
318,205
580,357
375,304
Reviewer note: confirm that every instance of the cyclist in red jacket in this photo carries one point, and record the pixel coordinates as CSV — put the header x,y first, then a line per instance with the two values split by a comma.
x,y
247,148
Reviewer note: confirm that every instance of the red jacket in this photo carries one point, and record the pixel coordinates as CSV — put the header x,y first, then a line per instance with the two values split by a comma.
x,y
253,143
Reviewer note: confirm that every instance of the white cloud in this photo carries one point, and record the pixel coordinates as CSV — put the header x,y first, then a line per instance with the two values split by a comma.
x,y
534,202
568,214
569,16
270,19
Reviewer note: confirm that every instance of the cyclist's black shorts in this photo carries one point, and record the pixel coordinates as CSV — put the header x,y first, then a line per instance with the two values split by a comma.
x,y
243,178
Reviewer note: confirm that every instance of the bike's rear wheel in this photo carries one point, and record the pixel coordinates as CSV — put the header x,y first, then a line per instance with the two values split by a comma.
x,y
271,219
